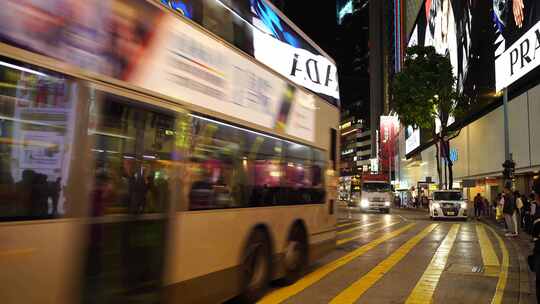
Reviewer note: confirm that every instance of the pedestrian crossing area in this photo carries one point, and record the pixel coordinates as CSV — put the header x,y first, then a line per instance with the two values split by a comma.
x,y
389,259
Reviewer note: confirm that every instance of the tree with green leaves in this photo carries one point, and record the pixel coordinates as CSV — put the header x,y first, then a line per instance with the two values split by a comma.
x,y
425,96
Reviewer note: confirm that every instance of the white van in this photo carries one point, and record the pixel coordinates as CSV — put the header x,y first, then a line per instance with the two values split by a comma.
x,y
376,196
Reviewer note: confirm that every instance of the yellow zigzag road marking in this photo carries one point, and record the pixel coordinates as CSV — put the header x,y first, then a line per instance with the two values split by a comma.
x,y
283,294
355,291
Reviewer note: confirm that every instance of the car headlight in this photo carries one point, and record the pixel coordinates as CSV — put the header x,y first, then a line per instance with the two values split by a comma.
x,y
387,204
364,204
436,205
463,205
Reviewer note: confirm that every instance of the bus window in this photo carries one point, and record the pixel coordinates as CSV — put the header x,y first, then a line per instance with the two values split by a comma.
x,y
133,158
319,171
132,152
213,168
231,167
37,122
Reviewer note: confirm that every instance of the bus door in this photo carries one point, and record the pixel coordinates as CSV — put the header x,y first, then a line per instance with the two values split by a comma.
x,y
132,152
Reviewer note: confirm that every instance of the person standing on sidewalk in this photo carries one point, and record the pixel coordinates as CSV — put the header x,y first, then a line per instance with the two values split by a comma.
x,y
487,207
478,202
527,215
510,212
519,206
534,259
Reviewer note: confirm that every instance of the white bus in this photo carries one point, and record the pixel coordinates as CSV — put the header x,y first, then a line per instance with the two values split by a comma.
x,y
147,157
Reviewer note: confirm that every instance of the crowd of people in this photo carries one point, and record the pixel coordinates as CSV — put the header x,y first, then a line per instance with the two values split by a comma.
x,y
517,211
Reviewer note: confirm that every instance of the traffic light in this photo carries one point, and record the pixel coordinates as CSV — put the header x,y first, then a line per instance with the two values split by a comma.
x,y
509,169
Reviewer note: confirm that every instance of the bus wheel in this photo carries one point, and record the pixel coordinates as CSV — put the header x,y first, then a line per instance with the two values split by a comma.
x,y
256,267
295,259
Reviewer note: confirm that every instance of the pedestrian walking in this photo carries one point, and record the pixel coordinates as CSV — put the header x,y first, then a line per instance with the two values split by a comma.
x,y
510,212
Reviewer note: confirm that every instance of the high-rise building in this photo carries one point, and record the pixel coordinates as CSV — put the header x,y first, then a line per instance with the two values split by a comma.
x,y
352,54
352,58
355,153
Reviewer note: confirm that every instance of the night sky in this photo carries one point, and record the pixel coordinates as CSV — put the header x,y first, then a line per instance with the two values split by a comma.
x,y
318,21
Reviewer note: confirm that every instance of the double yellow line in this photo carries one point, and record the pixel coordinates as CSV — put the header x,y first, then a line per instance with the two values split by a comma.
x,y
358,288
283,294
424,289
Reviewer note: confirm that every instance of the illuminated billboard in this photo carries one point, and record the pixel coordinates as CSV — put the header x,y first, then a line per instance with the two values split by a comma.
x,y
388,129
518,39
277,45
412,139
438,26
465,32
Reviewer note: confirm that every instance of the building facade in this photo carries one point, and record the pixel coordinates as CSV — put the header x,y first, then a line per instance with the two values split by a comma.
x,y
476,43
355,152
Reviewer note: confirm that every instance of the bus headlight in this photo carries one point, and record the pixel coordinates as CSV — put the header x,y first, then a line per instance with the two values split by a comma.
x,y
364,204
463,205
436,205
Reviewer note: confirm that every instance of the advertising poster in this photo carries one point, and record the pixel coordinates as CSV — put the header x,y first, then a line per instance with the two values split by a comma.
x,y
137,42
412,139
279,47
465,32
389,126
518,38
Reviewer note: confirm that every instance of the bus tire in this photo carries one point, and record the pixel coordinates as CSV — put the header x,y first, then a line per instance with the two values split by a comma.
x,y
256,266
295,259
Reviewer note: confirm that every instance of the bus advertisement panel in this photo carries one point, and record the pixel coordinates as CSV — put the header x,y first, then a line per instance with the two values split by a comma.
x,y
137,42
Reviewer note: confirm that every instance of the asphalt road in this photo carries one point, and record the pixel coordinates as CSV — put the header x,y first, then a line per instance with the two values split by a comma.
x,y
404,257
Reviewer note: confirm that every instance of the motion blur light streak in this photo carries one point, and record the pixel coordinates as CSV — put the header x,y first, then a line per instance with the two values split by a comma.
x,y
22,69
234,127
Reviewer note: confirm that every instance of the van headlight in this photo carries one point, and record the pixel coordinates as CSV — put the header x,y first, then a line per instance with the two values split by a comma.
x,y
463,205
436,205
364,204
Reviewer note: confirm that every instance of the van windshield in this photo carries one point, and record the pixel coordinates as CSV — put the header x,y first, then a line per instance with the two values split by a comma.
x,y
376,187
447,196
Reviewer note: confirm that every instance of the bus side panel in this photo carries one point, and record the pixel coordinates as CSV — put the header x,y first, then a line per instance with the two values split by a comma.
x,y
39,262
207,246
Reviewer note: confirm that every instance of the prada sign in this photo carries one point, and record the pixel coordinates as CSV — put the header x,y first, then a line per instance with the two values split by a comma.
x,y
519,59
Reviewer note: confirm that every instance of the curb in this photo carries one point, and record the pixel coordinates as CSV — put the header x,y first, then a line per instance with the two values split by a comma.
x,y
526,284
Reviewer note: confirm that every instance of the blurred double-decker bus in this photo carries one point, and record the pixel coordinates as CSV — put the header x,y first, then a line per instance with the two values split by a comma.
x,y
161,151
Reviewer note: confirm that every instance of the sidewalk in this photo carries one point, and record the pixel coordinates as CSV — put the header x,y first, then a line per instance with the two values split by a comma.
x,y
523,246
